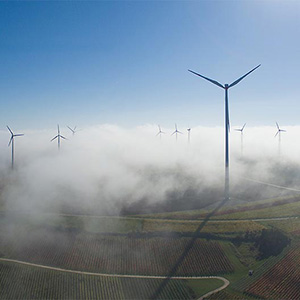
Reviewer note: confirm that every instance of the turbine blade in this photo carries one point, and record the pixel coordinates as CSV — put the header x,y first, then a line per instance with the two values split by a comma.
x,y
282,130
9,130
241,78
173,132
179,132
54,138
71,129
276,134
10,140
243,126
63,137
20,134
277,125
211,80
158,133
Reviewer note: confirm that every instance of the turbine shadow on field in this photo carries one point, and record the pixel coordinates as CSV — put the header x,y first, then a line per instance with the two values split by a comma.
x,y
186,251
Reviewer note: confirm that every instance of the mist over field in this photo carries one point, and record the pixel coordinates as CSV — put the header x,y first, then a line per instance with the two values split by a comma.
x,y
109,170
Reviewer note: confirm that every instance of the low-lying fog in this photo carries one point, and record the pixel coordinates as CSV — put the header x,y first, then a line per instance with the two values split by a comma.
x,y
111,170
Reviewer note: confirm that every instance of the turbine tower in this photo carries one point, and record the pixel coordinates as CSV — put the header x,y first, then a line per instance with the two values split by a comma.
x,y
58,137
189,134
279,137
73,130
176,132
242,134
226,87
160,132
11,141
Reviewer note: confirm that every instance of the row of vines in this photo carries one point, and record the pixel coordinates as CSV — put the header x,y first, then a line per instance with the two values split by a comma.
x,y
119,254
282,281
25,282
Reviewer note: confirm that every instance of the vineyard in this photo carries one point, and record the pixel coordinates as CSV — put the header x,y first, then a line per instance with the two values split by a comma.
x,y
118,254
24,282
210,227
280,282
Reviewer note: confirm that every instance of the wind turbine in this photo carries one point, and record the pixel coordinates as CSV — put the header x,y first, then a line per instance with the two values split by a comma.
x,y
176,132
242,134
11,141
226,87
279,136
159,131
58,137
189,134
73,130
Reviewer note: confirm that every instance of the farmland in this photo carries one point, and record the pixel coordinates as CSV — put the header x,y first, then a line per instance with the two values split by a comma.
x,y
282,280
141,246
120,255
24,282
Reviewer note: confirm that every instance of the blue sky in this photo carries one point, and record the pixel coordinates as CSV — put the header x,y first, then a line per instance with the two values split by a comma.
x,y
125,62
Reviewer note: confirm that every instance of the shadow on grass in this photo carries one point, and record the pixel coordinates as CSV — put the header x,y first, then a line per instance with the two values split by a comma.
x,y
186,251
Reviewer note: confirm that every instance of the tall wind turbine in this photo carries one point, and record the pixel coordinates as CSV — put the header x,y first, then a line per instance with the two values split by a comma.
x,y
279,137
241,130
11,141
176,131
226,87
189,134
73,130
58,137
160,132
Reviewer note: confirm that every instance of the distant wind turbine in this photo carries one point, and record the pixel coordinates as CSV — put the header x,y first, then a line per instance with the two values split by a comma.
x,y
73,130
226,87
176,132
279,137
11,141
58,137
160,132
241,130
189,134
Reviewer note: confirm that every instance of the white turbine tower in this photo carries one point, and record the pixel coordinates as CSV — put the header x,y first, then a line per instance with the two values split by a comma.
x,y
279,137
58,137
226,87
189,134
241,130
160,132
176,131
12,142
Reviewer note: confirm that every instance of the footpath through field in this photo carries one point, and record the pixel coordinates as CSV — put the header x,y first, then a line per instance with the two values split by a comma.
x,y
226,282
